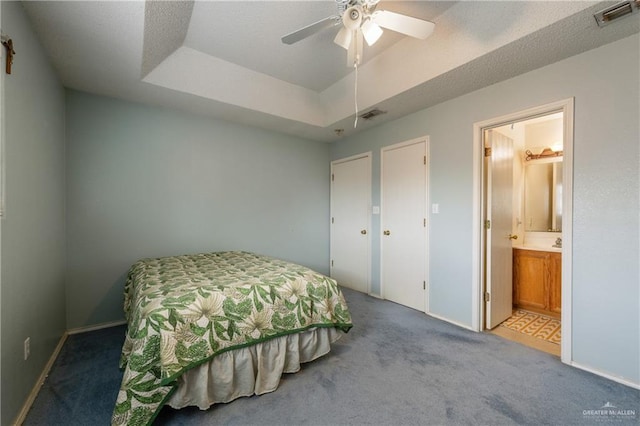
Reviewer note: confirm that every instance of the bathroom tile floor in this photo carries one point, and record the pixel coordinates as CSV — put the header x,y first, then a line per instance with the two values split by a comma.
x,y
536,325
532,329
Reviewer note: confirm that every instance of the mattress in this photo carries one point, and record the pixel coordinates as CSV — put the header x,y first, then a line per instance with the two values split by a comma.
x,y
189,315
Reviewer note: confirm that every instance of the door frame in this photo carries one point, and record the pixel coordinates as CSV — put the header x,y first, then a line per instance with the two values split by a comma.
x,y
369,156
478,309
424,139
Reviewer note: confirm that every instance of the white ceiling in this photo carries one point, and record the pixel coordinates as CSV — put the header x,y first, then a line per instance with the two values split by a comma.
x,y
225,59
315,63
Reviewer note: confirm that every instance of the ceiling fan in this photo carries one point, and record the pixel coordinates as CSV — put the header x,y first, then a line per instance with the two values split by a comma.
x,y
360,20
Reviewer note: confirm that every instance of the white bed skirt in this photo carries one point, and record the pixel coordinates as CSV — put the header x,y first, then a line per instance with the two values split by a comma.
x,y
252,370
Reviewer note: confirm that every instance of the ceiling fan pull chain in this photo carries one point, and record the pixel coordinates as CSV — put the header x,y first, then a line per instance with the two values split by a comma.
x,y
355,95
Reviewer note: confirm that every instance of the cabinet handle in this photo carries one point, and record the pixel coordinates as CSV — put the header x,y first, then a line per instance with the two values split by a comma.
x,y
387,232
513,237
363,232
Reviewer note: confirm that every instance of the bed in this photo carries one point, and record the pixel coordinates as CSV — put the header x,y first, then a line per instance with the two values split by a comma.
x,y
212,327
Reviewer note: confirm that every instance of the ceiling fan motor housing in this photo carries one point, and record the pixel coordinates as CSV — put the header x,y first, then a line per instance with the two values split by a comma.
x,y
352,18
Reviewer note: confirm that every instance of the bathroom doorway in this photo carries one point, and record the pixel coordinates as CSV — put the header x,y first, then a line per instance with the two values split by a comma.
x,y
523,189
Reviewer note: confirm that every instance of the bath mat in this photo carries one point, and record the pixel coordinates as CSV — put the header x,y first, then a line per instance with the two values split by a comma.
x,y
536,325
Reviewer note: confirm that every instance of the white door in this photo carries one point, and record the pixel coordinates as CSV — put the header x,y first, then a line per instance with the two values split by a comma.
x,y
350,204
403,222
499,252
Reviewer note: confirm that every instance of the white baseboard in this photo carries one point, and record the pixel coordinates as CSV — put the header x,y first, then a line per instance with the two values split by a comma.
x,y
611,377
79,330
456,323
47,368
22,415
465,326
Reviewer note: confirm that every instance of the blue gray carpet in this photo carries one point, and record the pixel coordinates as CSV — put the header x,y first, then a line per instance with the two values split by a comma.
x,y
396,366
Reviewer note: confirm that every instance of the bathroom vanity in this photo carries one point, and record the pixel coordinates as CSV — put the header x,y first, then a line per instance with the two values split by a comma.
x,y
537,280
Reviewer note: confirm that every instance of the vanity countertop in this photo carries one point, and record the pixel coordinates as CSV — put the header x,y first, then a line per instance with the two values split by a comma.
x,y
539,248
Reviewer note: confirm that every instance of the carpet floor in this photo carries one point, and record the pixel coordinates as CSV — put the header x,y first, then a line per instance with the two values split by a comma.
x,y
396,366
535,325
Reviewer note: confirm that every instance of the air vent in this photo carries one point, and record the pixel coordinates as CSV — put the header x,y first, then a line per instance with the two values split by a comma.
x,y
372,113
617,11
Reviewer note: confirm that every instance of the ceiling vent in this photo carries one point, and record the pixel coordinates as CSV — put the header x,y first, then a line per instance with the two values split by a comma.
x,y
372,113
610,14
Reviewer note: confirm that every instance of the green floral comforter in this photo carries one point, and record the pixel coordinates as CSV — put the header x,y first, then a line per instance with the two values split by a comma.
x,y
184,310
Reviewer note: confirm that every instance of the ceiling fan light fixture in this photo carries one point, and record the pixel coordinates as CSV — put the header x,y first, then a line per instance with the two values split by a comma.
x,y
359,21
343,38
371,32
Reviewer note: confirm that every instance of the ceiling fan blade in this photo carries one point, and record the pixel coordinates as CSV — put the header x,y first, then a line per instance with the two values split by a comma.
x,y
309,30
343,38
403,24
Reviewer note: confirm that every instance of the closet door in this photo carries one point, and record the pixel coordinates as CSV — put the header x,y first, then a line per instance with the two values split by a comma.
x,y
350,221
404,231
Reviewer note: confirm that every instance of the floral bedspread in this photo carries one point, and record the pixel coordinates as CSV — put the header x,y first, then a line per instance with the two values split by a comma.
x,y
183,310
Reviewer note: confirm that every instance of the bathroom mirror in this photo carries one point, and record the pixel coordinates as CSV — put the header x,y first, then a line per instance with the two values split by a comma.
x,y
543,195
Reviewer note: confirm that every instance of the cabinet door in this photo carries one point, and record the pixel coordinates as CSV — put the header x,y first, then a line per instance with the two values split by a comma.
x,y
530,277
555,282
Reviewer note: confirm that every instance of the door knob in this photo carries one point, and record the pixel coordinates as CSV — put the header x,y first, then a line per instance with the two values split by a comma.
x,y
513,237
387,232
363,232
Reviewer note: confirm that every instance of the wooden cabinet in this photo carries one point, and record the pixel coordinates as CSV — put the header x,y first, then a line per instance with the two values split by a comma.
x,y
555,282
537,281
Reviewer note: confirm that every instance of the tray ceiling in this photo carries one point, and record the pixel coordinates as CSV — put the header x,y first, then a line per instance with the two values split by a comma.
x,y
225,58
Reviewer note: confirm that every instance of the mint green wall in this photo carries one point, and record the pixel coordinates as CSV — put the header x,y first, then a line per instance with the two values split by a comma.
x,y
33,234
146,182
606,280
